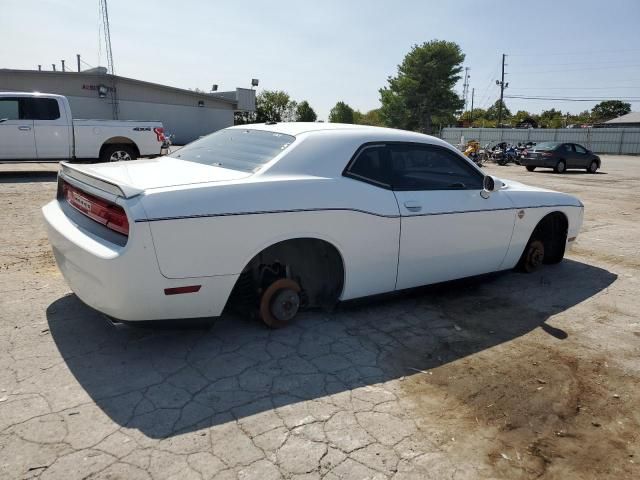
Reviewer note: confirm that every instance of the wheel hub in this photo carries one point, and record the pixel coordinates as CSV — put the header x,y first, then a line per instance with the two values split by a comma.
x,y
280,302
119,155
535,256
285,304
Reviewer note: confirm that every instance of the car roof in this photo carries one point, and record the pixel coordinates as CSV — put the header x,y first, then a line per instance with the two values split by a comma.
x,y
365,132
297,128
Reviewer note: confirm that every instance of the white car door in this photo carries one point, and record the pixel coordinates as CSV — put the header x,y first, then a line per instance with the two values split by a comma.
x,y
448,230
17,141
52,131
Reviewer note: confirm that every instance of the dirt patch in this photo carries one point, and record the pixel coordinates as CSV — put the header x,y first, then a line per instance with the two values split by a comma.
x,y
538,412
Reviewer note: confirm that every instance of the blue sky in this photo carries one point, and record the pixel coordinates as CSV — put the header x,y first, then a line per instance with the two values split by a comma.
x,y
341,50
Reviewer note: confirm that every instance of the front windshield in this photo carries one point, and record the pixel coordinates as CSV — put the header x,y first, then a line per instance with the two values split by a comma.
x,y
546,146
235,148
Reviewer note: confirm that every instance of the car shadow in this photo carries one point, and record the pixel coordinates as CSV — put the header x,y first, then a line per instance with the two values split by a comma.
x,y
28,177
165,382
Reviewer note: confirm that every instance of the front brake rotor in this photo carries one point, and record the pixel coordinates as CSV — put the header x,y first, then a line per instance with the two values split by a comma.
x,y
534,256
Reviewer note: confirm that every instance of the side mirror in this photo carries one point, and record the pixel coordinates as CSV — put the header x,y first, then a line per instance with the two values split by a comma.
x,y
488,186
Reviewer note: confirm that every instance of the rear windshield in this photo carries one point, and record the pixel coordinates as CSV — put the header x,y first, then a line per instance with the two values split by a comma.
x,y
237,149
546,146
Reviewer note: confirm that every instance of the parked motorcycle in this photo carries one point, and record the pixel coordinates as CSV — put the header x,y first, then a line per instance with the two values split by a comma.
x,y
510,155
168,141
473,152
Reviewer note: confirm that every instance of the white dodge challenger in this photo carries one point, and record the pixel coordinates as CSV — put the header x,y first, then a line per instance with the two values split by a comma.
x,y
285,216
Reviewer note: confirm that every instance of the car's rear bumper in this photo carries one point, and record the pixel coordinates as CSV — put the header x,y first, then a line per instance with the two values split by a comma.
x,y
536,162
125,282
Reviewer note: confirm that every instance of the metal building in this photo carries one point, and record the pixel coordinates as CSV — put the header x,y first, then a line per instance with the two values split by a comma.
x,y
92,94
631,119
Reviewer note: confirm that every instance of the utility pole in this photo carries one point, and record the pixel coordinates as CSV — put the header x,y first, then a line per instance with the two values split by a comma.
x,y
53,65
78,59
502,87
39,68
63,66
473,93
465,87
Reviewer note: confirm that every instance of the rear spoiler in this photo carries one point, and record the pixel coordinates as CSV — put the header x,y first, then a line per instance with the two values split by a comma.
x,y
78,173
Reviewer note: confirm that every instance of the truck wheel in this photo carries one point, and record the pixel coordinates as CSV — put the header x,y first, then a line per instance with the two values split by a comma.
x,y
118,153
530,169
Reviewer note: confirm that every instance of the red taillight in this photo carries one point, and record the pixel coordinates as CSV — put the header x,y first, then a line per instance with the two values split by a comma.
x,y
106,213
159,131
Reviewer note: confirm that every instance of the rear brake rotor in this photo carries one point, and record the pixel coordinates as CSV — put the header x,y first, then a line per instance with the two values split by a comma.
x,y
280,303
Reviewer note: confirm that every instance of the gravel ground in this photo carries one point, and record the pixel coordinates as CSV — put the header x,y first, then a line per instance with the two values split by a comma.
x,y
508,376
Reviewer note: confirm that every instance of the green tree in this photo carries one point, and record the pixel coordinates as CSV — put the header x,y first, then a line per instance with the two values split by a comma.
x,y
478,113
551,119
275,106
581,118
341,113
372,117
423,87
243,118
304,112
610,109
492,111
524,118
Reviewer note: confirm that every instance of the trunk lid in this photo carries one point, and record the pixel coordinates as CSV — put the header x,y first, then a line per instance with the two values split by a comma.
x,y
134,177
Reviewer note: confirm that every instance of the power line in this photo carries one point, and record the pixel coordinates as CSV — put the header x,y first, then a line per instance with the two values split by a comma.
x,y
594,63
535,72
585,53
576,88
486,94
574,99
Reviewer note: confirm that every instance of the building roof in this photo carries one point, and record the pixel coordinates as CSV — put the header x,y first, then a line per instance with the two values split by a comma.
x,y
633,117
98,72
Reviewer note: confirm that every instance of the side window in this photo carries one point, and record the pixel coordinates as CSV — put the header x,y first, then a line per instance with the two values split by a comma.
x,y
567,147
579,149
9,108
41,109
424,167
372,165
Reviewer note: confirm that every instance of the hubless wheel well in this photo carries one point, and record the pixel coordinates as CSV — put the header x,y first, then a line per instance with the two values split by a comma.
x,y
315,264
552,231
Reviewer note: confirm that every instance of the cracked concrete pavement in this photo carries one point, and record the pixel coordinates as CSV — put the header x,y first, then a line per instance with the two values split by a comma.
x,y
506,376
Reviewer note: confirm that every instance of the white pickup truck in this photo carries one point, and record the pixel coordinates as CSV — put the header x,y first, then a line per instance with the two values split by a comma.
x,y
39,126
